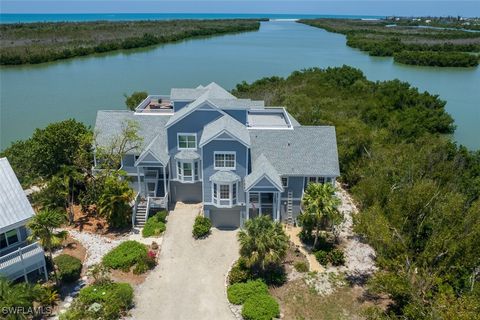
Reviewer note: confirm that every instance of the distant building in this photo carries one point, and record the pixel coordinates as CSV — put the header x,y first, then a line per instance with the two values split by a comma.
x,y
236,156
18,259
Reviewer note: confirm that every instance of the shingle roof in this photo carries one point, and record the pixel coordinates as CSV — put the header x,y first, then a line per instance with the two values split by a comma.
x,y
109,124
14,205
213,90
237,103
225,124
224,176
187,155
157,147
304,151
261,167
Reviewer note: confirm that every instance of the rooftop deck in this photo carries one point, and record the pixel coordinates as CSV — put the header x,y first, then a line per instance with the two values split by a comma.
x,y
156,104
268,118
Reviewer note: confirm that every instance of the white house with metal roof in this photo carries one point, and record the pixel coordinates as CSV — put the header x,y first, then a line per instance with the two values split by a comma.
x,y
18,258
236,156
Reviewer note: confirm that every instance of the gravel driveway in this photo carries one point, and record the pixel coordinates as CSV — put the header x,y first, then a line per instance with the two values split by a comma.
x,y
189,281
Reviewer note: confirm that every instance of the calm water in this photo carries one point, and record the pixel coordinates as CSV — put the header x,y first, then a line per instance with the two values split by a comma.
x,y
33,96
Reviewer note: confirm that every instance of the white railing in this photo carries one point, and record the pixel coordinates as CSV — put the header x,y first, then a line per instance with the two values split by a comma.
x,y
33,250
167,107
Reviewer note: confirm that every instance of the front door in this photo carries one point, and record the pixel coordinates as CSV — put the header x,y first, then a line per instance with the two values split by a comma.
x,y
151,181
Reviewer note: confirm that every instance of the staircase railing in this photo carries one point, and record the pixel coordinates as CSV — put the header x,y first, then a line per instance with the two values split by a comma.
x,y
148,209
134,211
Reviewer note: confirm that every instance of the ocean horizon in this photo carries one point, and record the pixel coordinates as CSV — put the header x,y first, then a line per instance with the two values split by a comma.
x,y
79,17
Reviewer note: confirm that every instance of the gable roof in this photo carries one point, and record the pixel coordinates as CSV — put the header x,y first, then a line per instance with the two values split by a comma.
x,y
225,124
109,124
212,90
304,151
15,209
155,149
262,168
182,113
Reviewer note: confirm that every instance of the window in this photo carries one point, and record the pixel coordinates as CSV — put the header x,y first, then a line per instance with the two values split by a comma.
x,y
8,238
187,141
188,171
312,179
317,179
285,182
224,160
224,195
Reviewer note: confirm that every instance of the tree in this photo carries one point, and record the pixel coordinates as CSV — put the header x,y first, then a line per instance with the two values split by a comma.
x,y
263,243
134,99
15,296
320,208
43,228
114,201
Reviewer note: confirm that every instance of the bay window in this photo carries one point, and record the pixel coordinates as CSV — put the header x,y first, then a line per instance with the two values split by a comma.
x,y
188,171
224,194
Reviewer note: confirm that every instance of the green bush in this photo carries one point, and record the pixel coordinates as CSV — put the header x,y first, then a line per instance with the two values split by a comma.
x,y
336,257
126,255
322,257
69,268
300,266
114,299
201,227
260,307
238,293
155,225
239,272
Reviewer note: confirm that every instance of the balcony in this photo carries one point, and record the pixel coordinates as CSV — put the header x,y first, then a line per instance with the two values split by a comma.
x,y
155,104
22,261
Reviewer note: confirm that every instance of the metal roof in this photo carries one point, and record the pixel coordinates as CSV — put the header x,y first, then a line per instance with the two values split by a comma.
x,y
225,124
261,168
304,151
15,209
224,176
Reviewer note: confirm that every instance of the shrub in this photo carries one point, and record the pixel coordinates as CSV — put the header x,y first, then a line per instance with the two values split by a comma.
x,y
69,268
239,272
260,307
336,257
238,293
155,225
114,299
322,257
300,266
201,227
125,256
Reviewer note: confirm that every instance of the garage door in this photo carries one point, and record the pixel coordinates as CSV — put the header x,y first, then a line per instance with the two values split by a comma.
x,y
224,218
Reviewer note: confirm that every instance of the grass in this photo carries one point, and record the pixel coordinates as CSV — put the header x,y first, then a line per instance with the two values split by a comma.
x,y
24,43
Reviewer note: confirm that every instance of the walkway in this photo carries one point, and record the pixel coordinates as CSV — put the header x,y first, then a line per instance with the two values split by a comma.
x,y
189,281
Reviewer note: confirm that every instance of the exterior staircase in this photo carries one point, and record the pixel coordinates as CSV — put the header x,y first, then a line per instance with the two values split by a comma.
x,y
290,209
141,215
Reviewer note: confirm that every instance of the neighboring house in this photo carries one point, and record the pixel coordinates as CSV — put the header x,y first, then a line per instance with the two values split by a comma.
x,y
18,259
236,156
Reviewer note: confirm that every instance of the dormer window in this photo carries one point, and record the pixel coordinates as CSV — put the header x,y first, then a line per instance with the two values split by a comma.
x,y
187,141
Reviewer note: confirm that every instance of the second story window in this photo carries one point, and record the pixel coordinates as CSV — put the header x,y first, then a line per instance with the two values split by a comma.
x,y
187,141
224,160
285,182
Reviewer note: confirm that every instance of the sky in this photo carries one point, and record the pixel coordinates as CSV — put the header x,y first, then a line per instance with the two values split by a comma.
x,y
340,7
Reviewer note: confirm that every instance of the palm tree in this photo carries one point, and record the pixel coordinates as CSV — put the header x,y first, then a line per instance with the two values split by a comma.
x,y
43,226
114,202
15,296
320,207
263,242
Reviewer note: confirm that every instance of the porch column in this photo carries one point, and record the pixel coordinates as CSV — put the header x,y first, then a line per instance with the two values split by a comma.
x,y
247,201
138,179
278,205
164,181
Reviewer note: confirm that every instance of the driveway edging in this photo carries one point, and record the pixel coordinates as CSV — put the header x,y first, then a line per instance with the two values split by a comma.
x,y
233,308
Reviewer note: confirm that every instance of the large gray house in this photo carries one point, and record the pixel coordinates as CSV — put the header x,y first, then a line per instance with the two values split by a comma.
x,y
237,157
18,259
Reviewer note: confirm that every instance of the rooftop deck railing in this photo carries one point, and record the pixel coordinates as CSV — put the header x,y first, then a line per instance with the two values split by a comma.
x,y
163,105
23,256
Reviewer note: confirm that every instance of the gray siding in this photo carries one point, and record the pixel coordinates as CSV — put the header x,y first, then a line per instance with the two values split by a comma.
x,y
177,105
128,160
295,209
239,115
264,185
193,123
208,165
295,184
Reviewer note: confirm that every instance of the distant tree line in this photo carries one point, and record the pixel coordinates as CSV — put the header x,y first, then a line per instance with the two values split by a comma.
x,y
43,42
438,59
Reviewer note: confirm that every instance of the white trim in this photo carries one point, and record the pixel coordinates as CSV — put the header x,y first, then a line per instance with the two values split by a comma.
x,y
143,155
180,177
217,200
281,178
186,134
235,138
225,153
281,189
212,105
